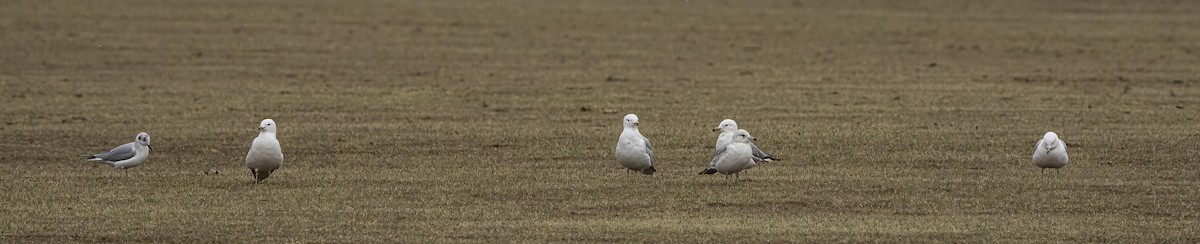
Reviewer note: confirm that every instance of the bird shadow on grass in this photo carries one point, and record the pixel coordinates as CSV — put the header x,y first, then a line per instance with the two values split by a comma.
x,y
241,182
720,180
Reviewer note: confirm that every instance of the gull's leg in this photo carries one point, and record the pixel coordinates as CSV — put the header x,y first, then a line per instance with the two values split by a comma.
x,y
1043,170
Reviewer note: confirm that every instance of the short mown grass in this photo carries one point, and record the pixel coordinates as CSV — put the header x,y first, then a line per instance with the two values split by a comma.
x,y
480,121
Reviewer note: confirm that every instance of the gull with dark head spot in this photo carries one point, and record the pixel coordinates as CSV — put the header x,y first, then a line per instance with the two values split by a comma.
x,y
265,154
734,157
634,150
1050,152
126,156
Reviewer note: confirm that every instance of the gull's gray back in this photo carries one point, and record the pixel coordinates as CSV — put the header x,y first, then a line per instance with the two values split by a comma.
x,y
119,153
758,153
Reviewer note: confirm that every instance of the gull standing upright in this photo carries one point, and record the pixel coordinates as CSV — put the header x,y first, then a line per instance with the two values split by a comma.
x,y
733,158
1050,152
265,154
634,150
728,128
126,156
713,164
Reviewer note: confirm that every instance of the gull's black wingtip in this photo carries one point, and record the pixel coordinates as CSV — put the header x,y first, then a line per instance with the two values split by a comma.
x,y
649,171
709,171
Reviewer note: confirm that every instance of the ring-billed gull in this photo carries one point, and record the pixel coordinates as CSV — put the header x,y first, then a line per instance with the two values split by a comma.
x,y
734,157
265,154
728,128
126,156
1050,152
634,150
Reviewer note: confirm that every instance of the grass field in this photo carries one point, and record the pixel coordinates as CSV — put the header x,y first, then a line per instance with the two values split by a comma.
x,y
478,121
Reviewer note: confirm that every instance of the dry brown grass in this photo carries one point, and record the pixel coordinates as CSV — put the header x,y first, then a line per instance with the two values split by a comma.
x,y
462,120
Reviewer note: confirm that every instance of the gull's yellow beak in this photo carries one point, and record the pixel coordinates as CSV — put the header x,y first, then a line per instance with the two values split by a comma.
x,y
261,128
635,123
717,128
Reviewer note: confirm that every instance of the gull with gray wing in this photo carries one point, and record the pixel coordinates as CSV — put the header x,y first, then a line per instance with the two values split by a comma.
x,y
126,156
634,151
728,128
734,157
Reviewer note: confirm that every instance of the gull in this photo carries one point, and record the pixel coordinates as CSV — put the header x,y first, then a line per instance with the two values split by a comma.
x,y
734,157
126,156
1050,152
728,128
265,155
634,150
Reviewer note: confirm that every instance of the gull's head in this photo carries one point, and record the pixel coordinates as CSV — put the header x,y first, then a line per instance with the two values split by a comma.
x,y
631,121
143,139
726,125
742,136
267,125
747,133
1050,140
